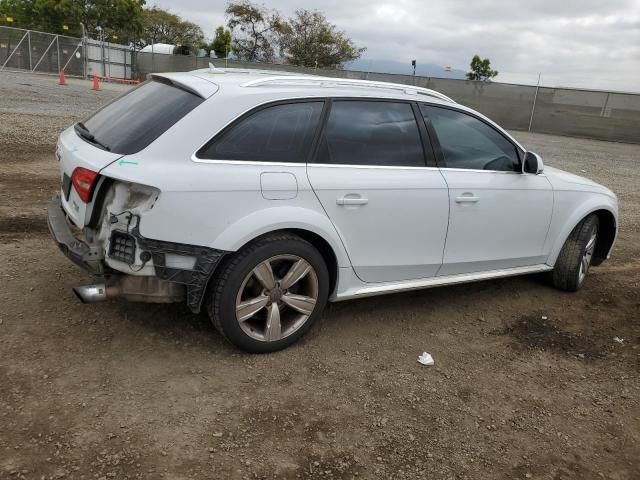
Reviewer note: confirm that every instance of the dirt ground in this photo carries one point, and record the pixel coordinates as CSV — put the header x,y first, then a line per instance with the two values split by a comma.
x,y
127,391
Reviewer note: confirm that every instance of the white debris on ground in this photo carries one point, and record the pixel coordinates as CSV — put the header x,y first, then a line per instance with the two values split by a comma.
x,y
426,359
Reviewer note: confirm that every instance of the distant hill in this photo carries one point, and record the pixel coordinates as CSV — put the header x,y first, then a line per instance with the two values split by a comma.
x,y
393,66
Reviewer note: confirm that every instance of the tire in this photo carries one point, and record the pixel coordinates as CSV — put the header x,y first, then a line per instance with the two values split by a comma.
x,y
240,287
573,263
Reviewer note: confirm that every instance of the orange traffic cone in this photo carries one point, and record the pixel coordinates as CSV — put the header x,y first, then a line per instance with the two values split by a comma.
x,y
62,79
96,83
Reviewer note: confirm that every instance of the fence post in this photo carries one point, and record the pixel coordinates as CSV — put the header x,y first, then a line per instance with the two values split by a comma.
x,y
604,107
58,47
29,42
84,52
535,99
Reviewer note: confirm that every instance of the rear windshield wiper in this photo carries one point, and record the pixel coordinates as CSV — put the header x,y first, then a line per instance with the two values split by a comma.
x,y
84,132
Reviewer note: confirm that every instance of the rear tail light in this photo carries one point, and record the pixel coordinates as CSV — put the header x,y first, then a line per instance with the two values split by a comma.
x,y
84,181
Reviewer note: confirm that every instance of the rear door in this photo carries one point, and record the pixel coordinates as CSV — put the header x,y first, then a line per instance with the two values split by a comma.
x,y
380,188
499,216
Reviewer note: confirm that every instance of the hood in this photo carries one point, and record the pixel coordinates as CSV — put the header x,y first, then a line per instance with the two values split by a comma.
x,y
561,180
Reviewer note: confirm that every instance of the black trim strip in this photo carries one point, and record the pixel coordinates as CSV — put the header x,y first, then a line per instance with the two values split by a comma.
x,y
427,144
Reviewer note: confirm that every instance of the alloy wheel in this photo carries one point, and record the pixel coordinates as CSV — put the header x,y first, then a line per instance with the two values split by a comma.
x,y
277,297
585,261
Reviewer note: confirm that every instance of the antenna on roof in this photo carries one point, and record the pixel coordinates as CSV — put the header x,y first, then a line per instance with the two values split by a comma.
x,y
213,69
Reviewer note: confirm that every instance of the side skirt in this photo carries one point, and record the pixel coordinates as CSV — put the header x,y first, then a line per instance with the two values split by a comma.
x,y
368,290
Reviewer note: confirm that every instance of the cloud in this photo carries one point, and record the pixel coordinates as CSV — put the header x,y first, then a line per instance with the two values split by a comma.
x,y
582,43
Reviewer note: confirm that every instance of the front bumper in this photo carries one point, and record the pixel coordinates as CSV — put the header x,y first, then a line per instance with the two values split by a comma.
x,y
79,252
91,258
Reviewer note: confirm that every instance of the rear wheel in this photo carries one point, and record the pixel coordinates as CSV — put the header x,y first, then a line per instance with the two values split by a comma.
x,y
576,255
269,294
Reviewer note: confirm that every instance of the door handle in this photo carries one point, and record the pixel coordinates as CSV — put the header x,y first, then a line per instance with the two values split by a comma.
x,y
346,200
467,198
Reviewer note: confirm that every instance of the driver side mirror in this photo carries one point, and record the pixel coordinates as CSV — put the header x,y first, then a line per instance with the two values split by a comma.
x,y
532,163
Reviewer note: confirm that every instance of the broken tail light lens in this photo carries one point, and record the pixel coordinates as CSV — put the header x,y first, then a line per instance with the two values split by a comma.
x,y
84,181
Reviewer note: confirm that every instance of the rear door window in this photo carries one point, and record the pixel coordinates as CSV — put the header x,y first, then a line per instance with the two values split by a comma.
x,y
378,133
136,119
276,133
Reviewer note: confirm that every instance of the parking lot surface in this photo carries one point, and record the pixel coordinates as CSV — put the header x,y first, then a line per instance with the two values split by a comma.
x,y
120,390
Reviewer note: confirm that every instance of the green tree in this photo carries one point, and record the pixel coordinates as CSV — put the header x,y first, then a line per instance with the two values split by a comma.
x,y
308,39
255,29
481,69
161,26
117,18
221,44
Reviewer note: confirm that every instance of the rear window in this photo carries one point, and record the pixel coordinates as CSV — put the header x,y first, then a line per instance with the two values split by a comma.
x,y
136,119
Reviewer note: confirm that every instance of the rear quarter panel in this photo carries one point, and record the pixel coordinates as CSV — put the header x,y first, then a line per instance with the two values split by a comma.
x,y
221,205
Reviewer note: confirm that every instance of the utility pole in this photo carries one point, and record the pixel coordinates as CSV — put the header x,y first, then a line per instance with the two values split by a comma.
x,y
413,64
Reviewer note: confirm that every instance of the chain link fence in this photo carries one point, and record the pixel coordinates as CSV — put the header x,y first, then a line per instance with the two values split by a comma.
x,y
40,52
600,115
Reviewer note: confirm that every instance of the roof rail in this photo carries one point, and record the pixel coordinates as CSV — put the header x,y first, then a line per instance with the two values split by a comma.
x,y
333,82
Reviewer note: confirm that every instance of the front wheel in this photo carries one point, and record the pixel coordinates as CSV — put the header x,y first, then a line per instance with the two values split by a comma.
x,y
574,260
270,293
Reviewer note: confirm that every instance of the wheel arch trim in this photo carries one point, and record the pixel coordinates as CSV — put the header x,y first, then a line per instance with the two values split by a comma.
x,y
594,205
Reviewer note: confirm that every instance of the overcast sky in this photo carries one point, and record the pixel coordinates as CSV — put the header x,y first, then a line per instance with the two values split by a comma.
x,y
580,43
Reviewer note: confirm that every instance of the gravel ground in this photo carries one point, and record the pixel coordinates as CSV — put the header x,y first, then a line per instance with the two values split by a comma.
x,y
26,100
119,390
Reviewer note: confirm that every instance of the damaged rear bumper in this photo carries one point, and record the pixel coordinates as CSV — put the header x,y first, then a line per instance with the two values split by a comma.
x,y
91,258
76,250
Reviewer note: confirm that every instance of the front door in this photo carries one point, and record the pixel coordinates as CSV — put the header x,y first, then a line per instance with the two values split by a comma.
x,y
499,216
385,197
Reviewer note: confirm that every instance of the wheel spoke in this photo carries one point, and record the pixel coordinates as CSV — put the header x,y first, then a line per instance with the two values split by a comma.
x,y
272,331
591,243
249,308
301,303
297,272
264,274
585,265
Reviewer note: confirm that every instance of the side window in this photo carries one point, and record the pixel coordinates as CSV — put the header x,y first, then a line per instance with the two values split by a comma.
x,y
469,143
371,133
279,133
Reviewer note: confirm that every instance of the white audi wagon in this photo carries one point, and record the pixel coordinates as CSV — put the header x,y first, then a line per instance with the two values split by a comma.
x,y
260,196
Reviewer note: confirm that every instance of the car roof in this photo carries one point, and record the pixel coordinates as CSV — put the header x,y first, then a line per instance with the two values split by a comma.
x,y
227,79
